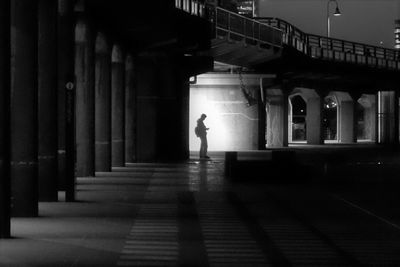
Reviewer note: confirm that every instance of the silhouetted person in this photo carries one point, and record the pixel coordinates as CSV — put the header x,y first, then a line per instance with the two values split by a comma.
x,y
201,132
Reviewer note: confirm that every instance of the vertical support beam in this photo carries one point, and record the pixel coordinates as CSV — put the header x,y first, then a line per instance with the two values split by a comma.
x,y
377,118
355,96
24,151
371,117
286,89
277,118
184,103
396,117
84,73
262,117
102,105
5,188
147,100
65,69
47,108
170,115
387,123
117,107
130,110
315,134
347,120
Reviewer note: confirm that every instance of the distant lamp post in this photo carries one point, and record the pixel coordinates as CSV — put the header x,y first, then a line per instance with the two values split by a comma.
x,y
336,14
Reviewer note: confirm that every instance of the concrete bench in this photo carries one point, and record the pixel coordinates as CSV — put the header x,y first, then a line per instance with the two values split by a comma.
x,y
270,165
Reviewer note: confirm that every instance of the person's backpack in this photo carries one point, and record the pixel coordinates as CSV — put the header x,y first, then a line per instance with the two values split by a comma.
x,y
196,131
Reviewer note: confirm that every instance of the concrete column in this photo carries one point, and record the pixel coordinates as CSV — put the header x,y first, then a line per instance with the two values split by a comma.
x,y
315,135
130,111
24,151
370,115
355,96
47,109
277,119
5,119
117,107
84,73
65,70
377,118
386,113
369,105
172,114
147,99
103,105
347,120
396,117
184,103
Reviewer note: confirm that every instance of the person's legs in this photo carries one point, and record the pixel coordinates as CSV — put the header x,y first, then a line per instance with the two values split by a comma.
x,y
205,143
203,147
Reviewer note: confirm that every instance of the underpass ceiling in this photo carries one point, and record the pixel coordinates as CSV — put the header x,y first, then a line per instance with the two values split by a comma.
x,y
150,25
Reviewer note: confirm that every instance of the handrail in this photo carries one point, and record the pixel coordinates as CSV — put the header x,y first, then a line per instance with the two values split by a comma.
x,y
335,49
192,7
240,28
233,26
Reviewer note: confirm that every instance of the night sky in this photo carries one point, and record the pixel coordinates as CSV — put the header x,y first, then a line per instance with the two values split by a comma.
x,y
365,21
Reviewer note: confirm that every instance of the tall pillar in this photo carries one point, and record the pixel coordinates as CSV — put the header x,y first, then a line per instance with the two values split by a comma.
x,y
130,111
170,115
386,112
347,120
355,96
315,135
147,99
184,103
4,118
377,118
371,116
47,108
65,75
277,118
24,152
84,73
103,105
117,107
396,117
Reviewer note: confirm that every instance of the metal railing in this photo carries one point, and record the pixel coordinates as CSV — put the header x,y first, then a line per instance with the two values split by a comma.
x,y
192,7
336,49
236,27
233,26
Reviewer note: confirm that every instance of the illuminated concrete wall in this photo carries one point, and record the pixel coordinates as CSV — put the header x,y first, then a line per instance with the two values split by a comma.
x,y
233,124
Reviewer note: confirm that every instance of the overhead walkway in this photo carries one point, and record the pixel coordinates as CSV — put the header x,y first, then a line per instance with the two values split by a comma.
x,y
244,41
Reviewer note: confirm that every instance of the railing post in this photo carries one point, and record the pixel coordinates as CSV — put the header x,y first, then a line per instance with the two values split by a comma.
x,y
229,25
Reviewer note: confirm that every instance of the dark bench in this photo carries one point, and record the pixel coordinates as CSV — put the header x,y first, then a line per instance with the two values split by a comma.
x,y
270,165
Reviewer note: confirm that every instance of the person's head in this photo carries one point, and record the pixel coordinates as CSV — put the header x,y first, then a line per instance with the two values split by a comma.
x,y
203,116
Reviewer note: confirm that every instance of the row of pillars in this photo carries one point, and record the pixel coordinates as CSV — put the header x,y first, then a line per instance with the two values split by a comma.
x,y
35,64
384,120
73,102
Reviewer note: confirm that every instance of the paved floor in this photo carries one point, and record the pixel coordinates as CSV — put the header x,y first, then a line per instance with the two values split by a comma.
x,y
187,214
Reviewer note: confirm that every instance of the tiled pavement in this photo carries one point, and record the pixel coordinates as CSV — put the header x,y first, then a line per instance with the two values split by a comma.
x,y
187,214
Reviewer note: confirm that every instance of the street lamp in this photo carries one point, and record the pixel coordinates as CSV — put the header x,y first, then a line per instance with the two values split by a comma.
x,y
336,14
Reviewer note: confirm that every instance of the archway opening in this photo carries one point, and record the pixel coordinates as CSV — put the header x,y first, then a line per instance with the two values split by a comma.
x,y
330,115
298,119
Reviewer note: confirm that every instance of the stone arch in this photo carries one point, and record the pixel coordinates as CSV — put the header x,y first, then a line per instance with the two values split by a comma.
x,y
331,115
312,112
297,118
